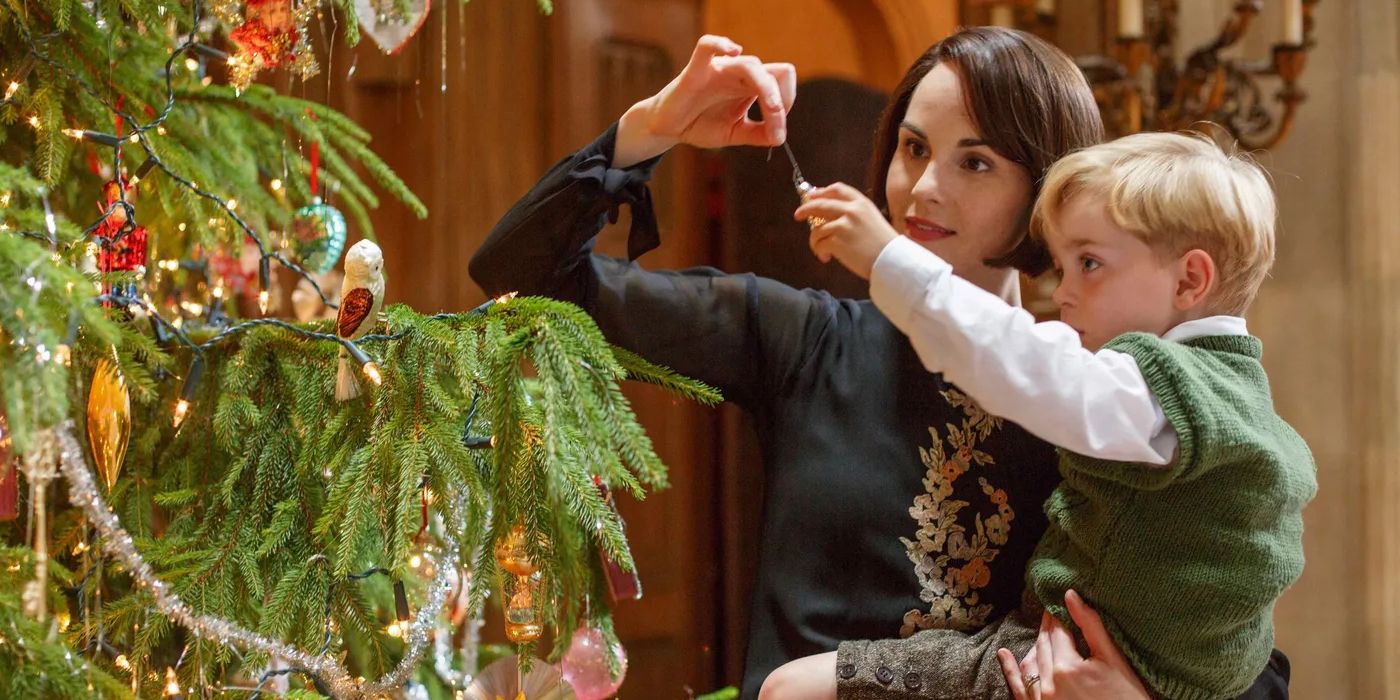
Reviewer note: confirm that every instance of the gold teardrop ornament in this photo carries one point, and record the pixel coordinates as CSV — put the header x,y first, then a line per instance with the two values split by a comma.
x,y
108,420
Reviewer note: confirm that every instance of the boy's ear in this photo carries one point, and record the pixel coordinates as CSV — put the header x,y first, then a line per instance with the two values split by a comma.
x,y
1195,279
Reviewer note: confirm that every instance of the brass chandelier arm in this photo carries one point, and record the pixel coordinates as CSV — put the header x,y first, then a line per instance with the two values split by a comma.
x,y
1140,86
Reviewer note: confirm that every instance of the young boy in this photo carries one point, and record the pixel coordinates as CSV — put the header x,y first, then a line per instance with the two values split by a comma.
x,y
1180,514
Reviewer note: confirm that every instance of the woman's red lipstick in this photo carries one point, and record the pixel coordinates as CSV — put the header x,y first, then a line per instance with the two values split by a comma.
x,y
925,231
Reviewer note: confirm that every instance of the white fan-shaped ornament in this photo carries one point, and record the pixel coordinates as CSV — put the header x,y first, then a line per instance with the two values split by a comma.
x,y
501,681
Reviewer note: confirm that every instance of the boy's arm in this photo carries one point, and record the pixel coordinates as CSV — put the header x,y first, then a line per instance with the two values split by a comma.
x,y
1037,375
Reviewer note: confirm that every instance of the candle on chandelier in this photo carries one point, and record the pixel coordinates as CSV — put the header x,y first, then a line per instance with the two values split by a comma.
x,y
1293,22
1130,18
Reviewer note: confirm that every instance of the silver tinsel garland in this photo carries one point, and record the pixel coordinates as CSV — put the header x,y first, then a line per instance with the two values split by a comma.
x,y
83,493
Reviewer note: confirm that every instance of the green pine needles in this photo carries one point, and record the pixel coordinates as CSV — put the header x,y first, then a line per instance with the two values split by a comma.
x,y
271,493
32,664
269,503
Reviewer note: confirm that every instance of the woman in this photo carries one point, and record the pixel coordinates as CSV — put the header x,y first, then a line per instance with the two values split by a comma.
x,y
892,503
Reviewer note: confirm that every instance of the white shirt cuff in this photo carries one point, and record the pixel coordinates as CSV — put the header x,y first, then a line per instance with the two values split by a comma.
x,y
902,274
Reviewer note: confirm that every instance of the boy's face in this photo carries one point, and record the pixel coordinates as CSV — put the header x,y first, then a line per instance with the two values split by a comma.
x,y
1111,281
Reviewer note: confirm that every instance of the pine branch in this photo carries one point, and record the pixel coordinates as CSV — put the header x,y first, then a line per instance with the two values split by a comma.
x,y
640,370
270,492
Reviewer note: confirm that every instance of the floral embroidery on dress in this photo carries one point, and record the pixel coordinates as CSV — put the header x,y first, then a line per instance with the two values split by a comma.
x,y
950,562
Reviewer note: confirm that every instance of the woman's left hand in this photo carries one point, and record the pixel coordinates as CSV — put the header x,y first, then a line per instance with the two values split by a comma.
x,y
1065,675
854,231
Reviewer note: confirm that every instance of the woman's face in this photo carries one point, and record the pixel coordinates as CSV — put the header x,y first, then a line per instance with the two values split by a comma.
x,y
949,191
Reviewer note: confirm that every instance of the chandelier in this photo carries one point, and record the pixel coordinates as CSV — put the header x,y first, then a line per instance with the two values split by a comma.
x,y
1141,86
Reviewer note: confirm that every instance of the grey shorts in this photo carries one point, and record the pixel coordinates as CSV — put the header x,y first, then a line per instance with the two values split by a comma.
x,y
936,664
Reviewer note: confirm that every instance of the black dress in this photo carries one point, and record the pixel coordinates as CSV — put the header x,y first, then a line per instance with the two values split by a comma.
x,y
892,502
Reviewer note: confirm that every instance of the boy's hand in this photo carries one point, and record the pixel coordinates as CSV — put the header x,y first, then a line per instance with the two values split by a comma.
x,y
854,231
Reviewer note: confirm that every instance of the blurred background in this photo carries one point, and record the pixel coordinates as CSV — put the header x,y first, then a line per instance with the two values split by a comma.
x,y
490,93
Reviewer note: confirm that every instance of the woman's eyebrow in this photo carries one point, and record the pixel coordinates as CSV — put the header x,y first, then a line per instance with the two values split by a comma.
x,y
962,143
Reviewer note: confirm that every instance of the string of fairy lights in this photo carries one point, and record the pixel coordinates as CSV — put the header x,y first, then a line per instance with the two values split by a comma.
x,y
139,135
322,668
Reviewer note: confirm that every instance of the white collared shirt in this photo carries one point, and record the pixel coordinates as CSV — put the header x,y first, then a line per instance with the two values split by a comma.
x,y
1037,375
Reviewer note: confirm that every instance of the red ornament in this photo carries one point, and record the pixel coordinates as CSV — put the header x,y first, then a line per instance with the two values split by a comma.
x,y
9,476
111,192
123,244
622,584
125,255
268,32
9,489
239,274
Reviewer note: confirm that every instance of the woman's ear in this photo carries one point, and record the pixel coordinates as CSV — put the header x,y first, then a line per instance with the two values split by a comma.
x,y
1195,279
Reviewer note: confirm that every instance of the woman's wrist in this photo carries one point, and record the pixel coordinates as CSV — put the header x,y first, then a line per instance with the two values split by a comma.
x,y
636,141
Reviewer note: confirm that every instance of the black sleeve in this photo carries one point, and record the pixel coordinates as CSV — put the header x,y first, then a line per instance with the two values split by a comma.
x,y
1272,684
745,335
541,246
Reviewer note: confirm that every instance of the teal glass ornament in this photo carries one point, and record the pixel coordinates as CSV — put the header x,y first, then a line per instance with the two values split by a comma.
x,y
319,235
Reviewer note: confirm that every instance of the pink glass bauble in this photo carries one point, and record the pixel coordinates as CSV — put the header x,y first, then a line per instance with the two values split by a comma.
x,y
585,665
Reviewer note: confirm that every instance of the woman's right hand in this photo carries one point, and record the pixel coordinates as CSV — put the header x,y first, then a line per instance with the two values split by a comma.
x,y
707,105
1054,670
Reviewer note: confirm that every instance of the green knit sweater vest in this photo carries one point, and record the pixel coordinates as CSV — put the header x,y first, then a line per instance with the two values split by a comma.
x,y
1184,561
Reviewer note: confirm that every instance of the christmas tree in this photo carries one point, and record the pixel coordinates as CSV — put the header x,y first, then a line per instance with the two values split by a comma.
x,y
186,505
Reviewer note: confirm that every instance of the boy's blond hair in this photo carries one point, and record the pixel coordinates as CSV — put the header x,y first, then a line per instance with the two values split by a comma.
x,y
1176,192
